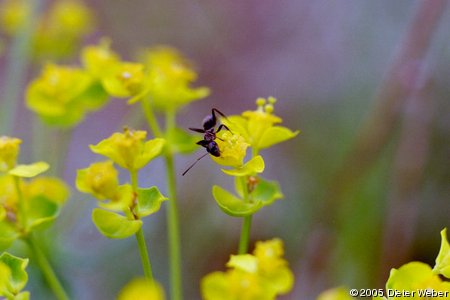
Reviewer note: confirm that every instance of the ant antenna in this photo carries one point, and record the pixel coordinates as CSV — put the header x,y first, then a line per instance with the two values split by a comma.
x,y
190,167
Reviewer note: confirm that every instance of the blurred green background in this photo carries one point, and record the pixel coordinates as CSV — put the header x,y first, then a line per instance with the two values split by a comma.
x,y
346,218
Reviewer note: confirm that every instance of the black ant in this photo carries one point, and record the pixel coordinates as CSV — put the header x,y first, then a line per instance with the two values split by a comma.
x,y
208,142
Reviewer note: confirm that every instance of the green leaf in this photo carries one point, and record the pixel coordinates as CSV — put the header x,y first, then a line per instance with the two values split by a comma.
x,y
30,170
8,234
443,259
149,201
181,141
275,135
113,225
5,275
22,296
232,205
19,276
152,148
265,191
40,213
255,165
94,97
409,276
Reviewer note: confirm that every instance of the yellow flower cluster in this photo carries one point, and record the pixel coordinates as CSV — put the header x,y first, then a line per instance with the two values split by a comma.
x,y
62,95
59,31
25,204
170,77
261,276
131,151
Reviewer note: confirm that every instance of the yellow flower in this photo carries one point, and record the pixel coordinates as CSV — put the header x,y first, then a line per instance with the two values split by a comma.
x,y
70,18
99,60
63,95
270,255
125,79
13,14
170,77
8,193
258,127
9,150
263,275
142,289
52,188
129,149
99,179
233,149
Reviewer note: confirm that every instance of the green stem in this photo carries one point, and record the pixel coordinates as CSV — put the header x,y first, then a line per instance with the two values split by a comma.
x,y
174,234
144,254
46,268
172,210
172,216
19,56
140,234
40,257
247,222
245,235
150,116
21,203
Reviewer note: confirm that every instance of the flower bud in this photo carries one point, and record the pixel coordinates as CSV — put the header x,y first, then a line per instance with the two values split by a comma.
x,y
9,150
99,179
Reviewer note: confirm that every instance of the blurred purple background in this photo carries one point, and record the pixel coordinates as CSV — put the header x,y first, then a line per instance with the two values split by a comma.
x,y
324,61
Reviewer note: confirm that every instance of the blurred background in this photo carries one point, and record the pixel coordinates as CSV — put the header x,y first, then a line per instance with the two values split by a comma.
x,y
366,183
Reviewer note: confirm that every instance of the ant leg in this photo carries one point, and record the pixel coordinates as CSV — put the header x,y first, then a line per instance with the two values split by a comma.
x,y
223,126
197,130
215,110
203,143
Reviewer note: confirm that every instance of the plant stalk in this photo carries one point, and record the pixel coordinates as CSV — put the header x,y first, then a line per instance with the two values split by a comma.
x,y
46,269
19,56
140,238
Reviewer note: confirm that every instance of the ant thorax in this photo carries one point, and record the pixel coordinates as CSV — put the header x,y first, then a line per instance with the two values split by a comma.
x,y
210,135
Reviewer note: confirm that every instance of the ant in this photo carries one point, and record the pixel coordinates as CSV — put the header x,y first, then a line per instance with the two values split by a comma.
x,y
208,142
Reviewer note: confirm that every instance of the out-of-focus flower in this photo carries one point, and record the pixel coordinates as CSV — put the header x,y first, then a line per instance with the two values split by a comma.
x,y
99,60
263,275
141,289
13,14
125,79
99,179
70,18
61,95
170,77
8,194
58,31
129,149
9,149
52,188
